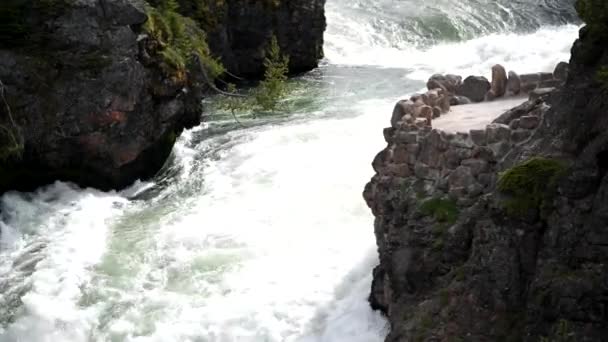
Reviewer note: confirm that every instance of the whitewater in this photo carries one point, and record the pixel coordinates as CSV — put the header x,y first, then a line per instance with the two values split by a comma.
x,y
257,233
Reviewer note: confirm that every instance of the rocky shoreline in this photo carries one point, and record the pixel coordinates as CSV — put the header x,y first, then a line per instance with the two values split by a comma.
x,y
92,98
497,234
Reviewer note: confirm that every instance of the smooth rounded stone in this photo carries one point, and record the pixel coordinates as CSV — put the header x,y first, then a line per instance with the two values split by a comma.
x,y
490,95
561,71
402,108
459,100
520,135
513,84
529,122
497,133
478,136
448,83
540,93
499,80
415,97
475,190
436,112
474,88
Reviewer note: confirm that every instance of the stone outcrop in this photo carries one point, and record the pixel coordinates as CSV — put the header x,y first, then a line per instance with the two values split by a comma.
x,y
88,98
500,234
479,89
241,31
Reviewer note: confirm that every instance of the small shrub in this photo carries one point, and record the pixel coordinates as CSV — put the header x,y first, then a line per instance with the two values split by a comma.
x,y
443,210
273,88
179,38
530,185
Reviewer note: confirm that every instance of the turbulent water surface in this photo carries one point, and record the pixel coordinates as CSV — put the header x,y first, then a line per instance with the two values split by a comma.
x,y
258,233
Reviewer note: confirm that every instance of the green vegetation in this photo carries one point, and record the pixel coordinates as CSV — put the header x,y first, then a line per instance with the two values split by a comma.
x,y
271,90
179,40
595,14
442,210
530,185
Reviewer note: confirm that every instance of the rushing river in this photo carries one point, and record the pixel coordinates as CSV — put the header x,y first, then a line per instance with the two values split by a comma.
x,y
258,233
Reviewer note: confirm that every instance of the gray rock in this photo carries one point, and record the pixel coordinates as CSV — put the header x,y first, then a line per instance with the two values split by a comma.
x,y
461,178
474,88
497,133
459,100
561,71
423,171
513,84
499,81
529,122
540,93
477,166
448,83
402,108
520,135
478,136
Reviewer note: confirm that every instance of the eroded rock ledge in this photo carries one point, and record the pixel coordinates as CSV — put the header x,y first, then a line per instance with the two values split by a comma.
x,y
464,258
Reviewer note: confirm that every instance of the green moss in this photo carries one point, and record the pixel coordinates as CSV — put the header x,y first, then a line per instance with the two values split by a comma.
x,y
442,210
444,297
530,185
180,39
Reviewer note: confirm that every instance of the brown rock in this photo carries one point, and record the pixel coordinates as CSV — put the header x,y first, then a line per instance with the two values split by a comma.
x,y
499,80
513,83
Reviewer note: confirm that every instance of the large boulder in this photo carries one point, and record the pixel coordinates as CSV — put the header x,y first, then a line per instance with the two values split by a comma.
x,y
561,71
513,83
499,82
448,83
474,88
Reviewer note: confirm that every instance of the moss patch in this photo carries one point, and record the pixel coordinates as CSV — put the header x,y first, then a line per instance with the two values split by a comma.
x,y
442,210
530,185
179,39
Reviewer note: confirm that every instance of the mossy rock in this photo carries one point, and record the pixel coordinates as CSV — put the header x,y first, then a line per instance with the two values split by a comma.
x,y
442,210
530,185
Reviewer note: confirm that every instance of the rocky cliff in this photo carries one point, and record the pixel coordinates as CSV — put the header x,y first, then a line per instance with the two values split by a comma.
x,y
239,31
96,91
500,234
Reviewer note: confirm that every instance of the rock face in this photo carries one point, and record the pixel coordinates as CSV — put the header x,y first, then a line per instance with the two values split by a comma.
x,y
86,102
240,36
468,254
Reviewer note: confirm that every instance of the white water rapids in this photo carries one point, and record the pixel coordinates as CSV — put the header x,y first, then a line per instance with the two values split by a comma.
x,y
254,234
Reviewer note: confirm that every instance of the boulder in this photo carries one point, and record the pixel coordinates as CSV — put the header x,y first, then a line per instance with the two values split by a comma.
x,y
448,83
474,88
459,100
540,93
499,80
529,122
561,71
513,84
